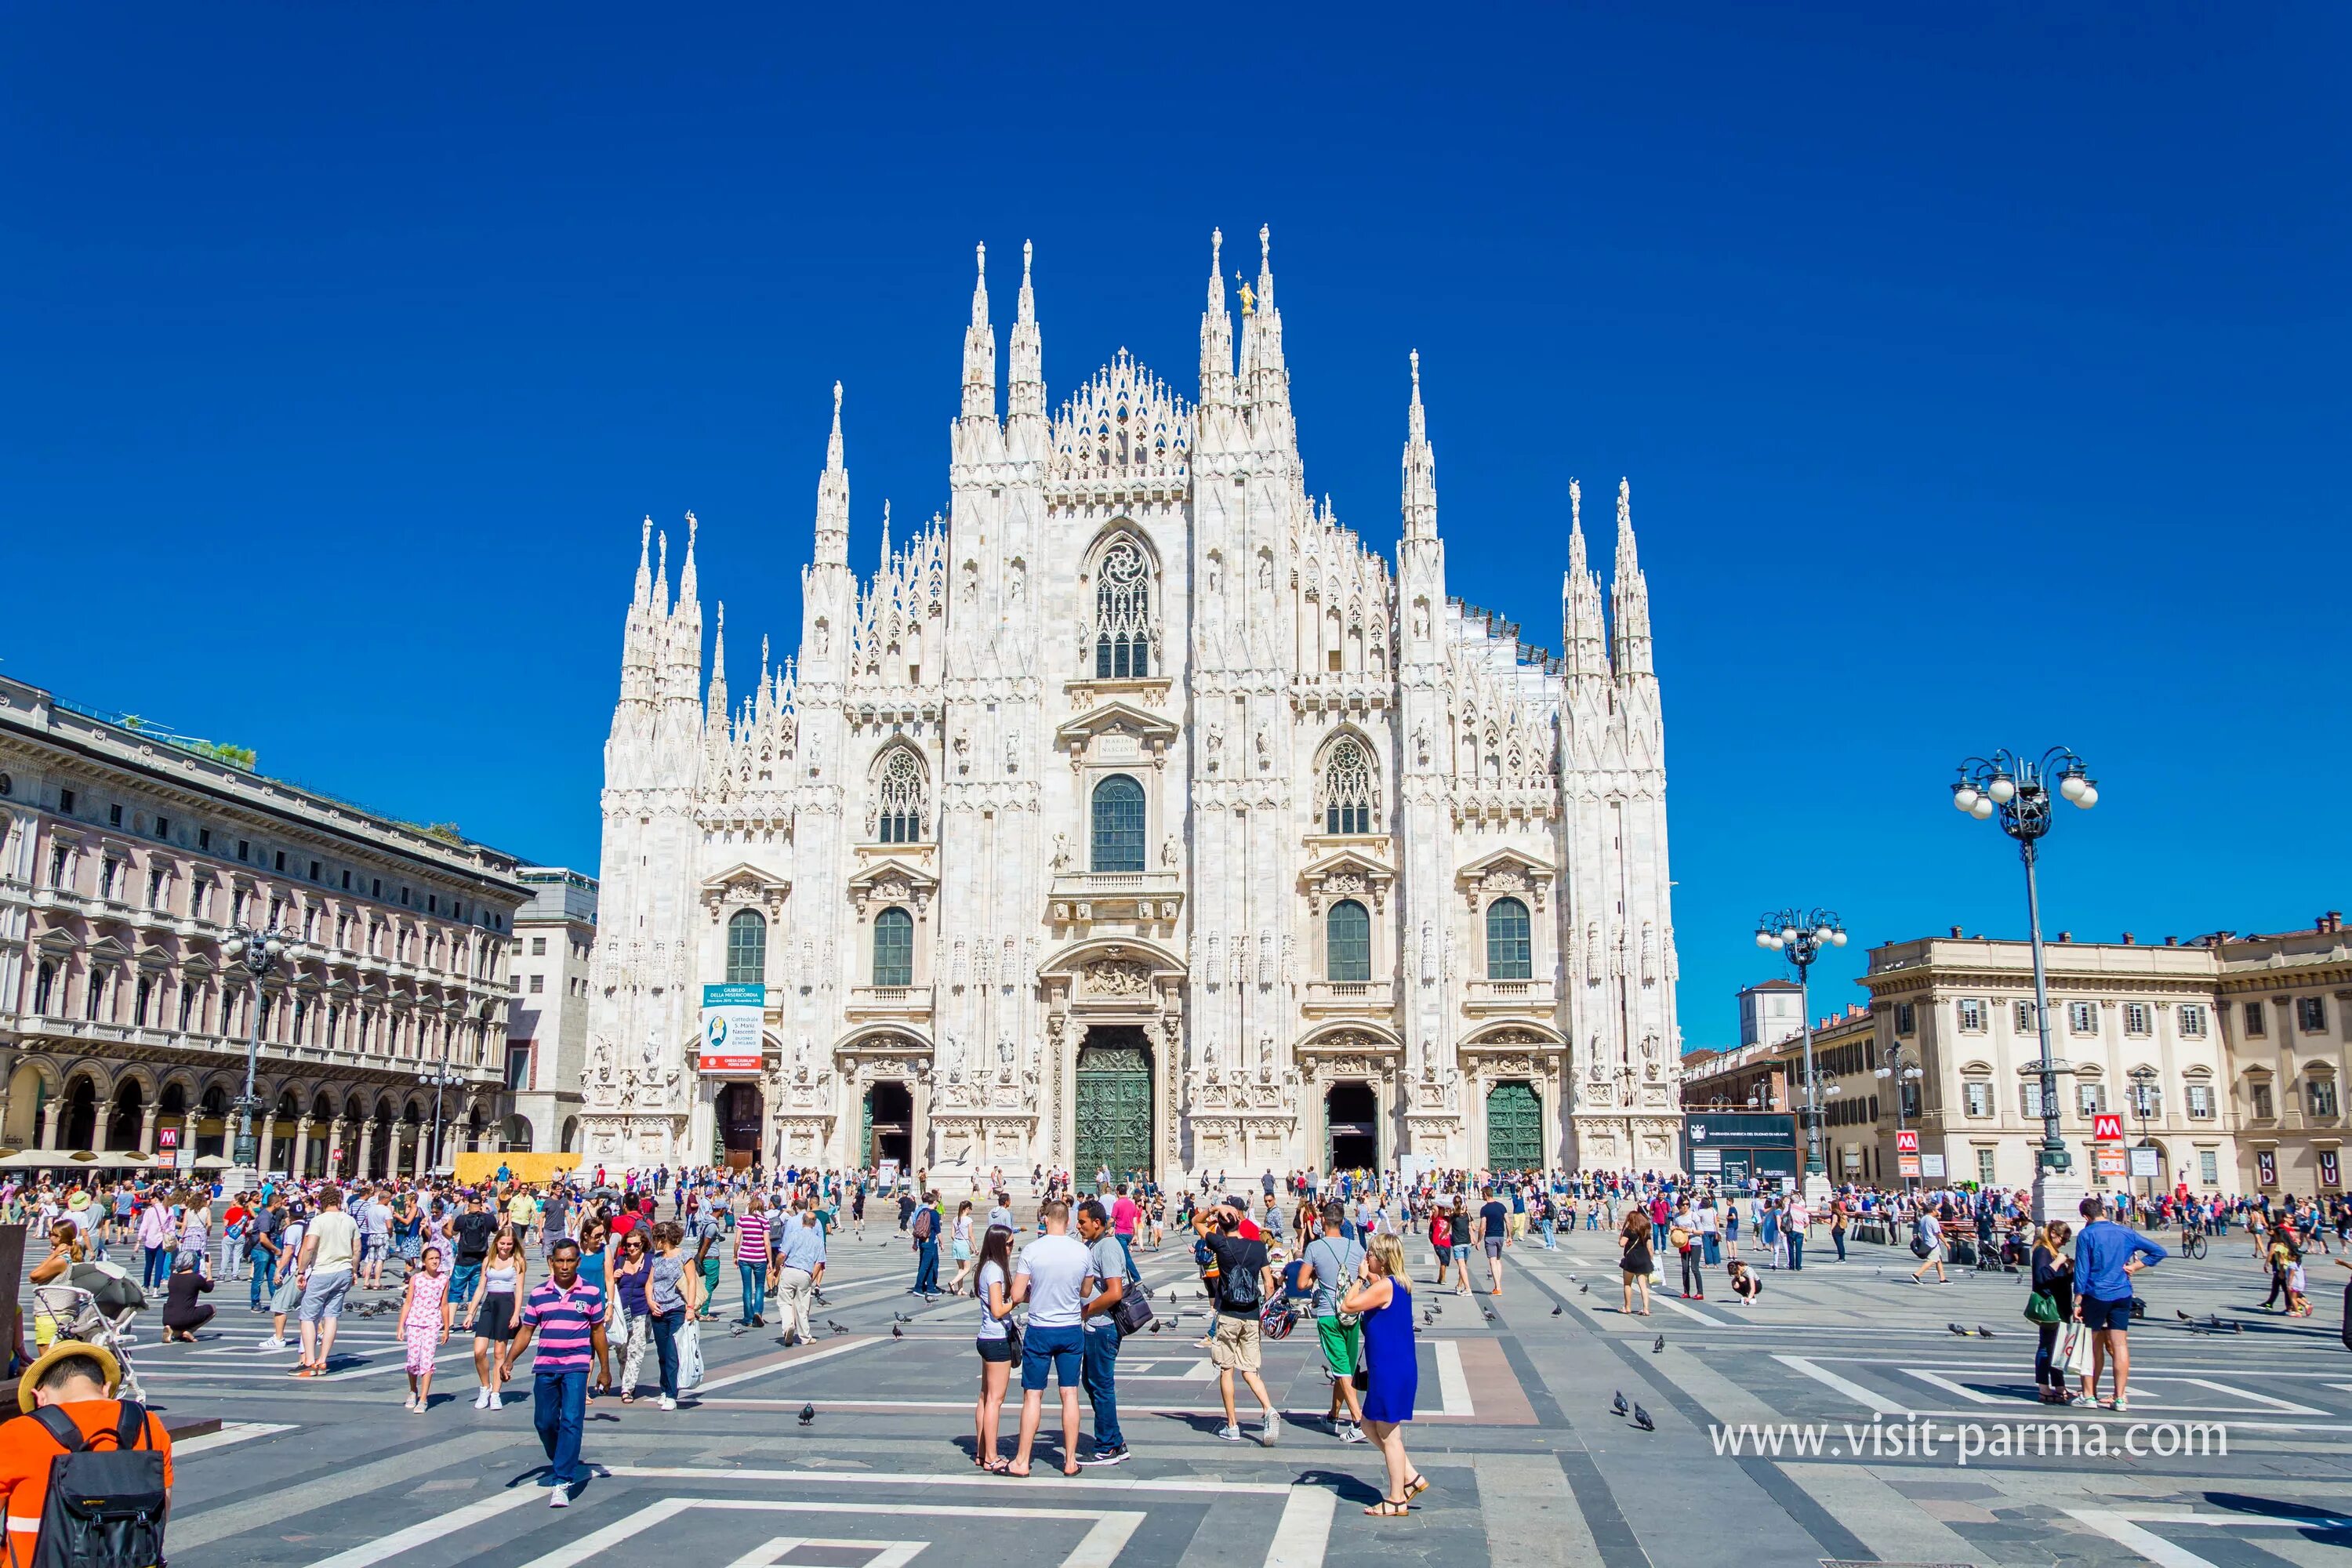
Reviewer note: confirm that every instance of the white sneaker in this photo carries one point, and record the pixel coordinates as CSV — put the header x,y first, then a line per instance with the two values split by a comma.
x,y
559,1497
1353,1434
1230,1434
497,1401
270,1344
1270,1431
667,1403
481,1399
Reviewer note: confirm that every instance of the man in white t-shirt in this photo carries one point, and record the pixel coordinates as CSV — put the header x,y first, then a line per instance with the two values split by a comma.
x,y
1051,1277
330,1252
375,1236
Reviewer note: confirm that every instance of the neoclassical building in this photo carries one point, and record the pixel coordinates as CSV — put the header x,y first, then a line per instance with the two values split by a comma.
x,y
1135,814
128,856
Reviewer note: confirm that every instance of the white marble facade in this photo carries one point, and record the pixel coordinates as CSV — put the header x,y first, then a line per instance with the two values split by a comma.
x,y
1136,813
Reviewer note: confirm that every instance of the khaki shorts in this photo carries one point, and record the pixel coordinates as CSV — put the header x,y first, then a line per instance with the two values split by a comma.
x,y
1235,1346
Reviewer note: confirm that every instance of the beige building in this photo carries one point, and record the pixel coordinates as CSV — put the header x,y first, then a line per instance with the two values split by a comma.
x,y
1964,1009
2287,1021
547,1028
129,857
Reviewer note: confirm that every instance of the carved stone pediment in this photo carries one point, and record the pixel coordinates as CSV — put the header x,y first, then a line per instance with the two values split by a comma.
x,y
893,880
1348,874
1116,977
1506,871
744,886
1116,732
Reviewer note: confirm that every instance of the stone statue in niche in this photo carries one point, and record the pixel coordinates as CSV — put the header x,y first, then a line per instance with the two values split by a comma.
x,y
1061,852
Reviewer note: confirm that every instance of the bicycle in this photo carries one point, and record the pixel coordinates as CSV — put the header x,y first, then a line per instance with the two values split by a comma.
x,y
2193,1244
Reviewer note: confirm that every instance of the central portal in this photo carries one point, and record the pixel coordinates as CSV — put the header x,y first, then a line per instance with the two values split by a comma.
x,y
741,1121
889,1131
1353,1112
1114,1106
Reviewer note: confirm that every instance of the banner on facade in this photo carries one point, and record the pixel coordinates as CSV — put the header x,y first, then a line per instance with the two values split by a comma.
x,y
730,1028
2265,1168
2327,1168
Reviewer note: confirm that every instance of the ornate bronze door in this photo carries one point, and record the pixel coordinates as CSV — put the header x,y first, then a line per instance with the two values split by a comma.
x,y
1514,1128
1114,1106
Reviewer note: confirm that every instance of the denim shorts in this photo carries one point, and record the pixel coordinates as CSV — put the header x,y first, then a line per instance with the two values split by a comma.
x,y
1062,1350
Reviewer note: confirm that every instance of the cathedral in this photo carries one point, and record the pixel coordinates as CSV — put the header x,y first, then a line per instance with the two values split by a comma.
x,y
1135,815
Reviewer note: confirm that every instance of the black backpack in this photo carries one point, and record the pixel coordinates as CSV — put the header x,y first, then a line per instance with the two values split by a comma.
x,y
1237,1288
105,1507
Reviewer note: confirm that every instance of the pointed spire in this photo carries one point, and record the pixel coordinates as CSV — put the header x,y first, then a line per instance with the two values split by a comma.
x,y
1629,597
1420,466
714,701
1583,637
688,585
1025,390
1216,331
1266,269
833,498
661,572
980,351
644,594
885,567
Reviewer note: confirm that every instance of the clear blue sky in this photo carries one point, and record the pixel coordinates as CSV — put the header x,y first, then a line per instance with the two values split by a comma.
x,y
1982,379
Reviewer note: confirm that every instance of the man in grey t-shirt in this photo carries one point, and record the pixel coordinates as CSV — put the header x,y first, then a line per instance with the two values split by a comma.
x,y
1051,1277
1330,1263
1106,1272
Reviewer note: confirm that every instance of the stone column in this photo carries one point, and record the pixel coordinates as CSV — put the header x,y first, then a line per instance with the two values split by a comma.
x,y
301,1165
147,1129
269,1136
185,1157
423,1148
919,1133
338,1164
367,1146
49,1115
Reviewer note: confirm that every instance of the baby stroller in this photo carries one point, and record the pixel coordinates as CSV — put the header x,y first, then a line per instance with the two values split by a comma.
x,y
96,1304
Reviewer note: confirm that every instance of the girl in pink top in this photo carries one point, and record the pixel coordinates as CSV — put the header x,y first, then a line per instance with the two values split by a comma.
x,y
424,1324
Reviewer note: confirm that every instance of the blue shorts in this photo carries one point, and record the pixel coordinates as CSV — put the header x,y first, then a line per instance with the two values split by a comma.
x,y
2110,1315
1061,1350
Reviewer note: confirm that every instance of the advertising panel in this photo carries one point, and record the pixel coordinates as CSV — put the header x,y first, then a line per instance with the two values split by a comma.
x,y
731,1029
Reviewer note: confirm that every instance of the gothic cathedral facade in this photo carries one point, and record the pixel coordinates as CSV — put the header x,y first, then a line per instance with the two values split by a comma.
x,y
1136,816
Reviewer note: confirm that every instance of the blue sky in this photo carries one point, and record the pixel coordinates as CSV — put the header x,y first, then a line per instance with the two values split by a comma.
x,y
1982,380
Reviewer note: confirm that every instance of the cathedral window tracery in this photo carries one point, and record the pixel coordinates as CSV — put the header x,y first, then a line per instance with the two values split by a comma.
x,y
900,799
1123,630
1349,798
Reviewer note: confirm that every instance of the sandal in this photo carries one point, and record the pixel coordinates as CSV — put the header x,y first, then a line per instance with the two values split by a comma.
x,y
1390,1507
1418,1485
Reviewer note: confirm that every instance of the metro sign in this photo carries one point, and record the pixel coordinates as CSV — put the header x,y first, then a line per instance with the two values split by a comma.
x,y
1906,1142
2108,1125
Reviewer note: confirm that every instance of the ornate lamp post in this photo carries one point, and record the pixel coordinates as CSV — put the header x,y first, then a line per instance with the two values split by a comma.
x,y
2019,791
1802,934
257,952
442,1075
1901,1072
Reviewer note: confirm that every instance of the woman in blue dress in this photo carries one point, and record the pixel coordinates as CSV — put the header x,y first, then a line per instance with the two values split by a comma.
x,y
1384,1301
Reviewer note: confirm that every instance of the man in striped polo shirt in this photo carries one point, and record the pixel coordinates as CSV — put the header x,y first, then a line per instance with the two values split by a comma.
x,y
567,1313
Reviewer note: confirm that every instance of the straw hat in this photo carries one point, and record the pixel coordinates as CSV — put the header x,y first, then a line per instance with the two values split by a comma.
x,y
57,1352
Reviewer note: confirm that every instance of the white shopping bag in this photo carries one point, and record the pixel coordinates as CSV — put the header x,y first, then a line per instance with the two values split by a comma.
x,y
690,1357
2074,1349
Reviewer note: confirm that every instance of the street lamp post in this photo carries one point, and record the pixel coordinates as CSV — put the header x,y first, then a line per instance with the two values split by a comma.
x,y
1801,935
1900,1074
442,1077
2018,790
2143,1080
257,951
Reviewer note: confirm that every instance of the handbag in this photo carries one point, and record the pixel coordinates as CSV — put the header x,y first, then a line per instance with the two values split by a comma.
x,y
1132,1312
1919,1246
2041,1307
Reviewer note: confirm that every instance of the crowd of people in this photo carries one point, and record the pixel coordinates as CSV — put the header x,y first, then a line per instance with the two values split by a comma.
x,y
589,1273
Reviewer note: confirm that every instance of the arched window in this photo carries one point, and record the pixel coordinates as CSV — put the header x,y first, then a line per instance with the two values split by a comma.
x,y
747,948
899,799
1508,953
1348,937
1348,797
1122,613
1118,825
894,948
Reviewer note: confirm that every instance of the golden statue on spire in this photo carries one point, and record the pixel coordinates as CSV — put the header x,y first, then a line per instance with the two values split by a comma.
x,y
1249,300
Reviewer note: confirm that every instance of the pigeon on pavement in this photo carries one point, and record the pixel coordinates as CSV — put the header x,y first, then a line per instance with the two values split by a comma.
x,y
1957,1330
1618,1407
1659,1344
834,1327
1642,1419
808,1415
1555,1311
896,1332
1983,1332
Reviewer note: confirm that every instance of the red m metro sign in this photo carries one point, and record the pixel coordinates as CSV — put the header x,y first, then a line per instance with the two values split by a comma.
x,y
2108,1125
1906,1142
